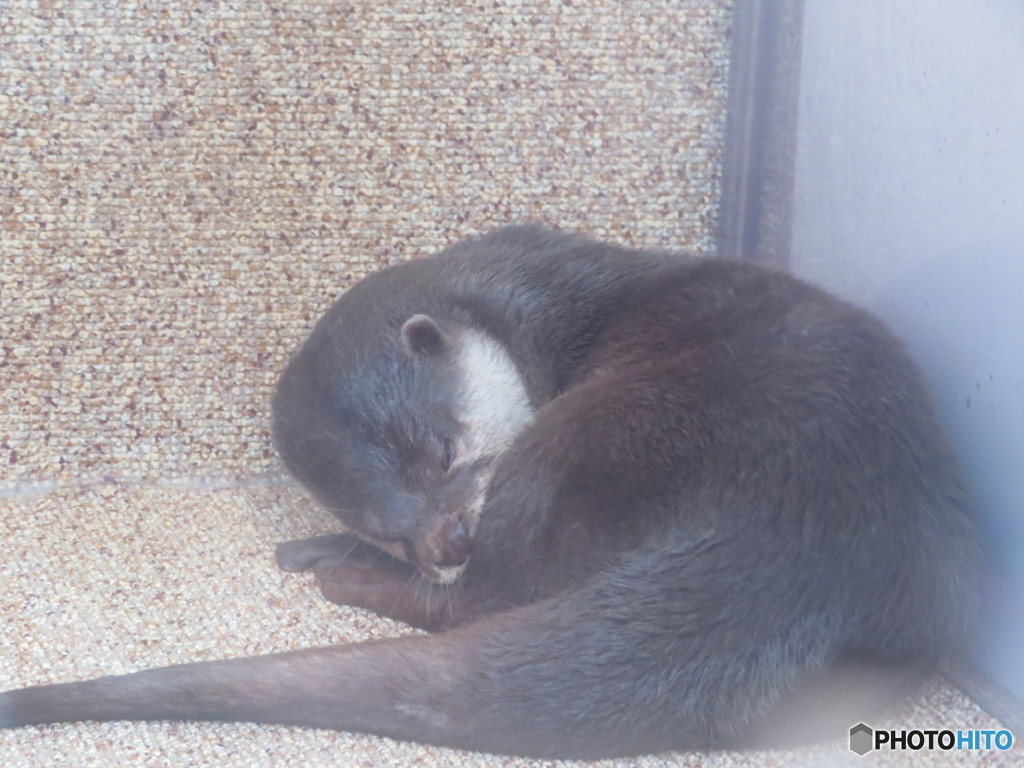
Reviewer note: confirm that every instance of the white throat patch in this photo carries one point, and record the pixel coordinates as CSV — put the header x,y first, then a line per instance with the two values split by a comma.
x,y
493,395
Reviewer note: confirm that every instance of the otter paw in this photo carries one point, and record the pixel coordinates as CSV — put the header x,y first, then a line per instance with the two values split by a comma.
x,y
361,584
305,554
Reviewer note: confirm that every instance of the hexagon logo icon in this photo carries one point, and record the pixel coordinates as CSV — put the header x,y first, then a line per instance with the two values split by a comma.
x,y
861,739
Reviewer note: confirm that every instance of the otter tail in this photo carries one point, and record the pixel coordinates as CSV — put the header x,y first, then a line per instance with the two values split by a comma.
x,y
676,647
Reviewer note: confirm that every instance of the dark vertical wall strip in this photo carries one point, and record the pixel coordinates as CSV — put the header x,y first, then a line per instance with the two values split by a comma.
x,y
757,185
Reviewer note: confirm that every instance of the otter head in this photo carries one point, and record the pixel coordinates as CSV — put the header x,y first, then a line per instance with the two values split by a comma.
x,y
398,436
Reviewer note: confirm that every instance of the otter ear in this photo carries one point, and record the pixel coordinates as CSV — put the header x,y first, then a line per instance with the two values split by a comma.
x,y
422,336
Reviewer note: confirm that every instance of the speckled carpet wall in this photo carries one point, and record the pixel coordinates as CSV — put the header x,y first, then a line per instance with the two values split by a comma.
x,y
184,187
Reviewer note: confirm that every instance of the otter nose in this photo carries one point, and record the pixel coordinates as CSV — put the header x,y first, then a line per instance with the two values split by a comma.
x,y
456,545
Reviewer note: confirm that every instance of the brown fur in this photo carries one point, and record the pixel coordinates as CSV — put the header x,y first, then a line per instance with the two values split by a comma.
x,y
731,509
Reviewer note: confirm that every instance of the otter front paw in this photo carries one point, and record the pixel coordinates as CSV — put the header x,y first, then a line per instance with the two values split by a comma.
x,y
404,596
364,585
307,554
348,570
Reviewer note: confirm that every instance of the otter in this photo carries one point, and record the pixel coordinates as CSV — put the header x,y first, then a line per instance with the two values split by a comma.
x,y
641,501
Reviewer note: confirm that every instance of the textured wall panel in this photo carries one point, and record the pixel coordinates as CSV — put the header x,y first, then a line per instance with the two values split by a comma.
x,y
185,186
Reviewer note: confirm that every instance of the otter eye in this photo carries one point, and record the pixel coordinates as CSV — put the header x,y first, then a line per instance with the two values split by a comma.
x,y
448,454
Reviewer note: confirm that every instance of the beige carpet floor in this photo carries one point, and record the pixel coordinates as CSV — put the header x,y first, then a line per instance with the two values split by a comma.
x,y
114,579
